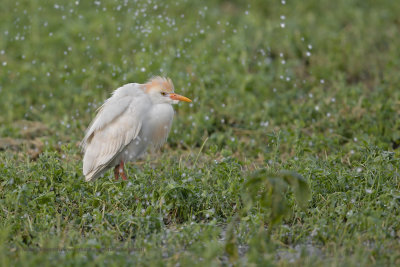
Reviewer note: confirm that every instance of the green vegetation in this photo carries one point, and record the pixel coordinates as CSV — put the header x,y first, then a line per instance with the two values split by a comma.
x,y
314,93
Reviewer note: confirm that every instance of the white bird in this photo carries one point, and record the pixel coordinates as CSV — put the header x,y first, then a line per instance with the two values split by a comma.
x,y
135,117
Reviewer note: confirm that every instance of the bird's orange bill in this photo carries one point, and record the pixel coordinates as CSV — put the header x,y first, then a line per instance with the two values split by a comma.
x,y
179,97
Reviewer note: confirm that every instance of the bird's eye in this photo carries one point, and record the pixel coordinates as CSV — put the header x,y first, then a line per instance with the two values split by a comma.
x,y
163,93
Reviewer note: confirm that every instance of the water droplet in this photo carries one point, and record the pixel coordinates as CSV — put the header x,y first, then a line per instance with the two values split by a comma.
x,y
350,213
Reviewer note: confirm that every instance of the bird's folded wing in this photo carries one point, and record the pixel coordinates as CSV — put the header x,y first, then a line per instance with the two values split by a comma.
x,y
117,123
111,109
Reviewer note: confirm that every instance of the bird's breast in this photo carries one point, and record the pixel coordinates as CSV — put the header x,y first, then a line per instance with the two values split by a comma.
x,y
157,124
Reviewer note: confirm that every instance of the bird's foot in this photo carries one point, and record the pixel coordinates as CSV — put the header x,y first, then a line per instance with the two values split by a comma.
x,y
123,175
116,172
119,170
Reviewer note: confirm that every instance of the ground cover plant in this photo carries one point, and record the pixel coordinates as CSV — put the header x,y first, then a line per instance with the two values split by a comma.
x,y
296,112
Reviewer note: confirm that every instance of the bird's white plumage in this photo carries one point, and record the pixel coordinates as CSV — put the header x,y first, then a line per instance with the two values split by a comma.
x,y
126,124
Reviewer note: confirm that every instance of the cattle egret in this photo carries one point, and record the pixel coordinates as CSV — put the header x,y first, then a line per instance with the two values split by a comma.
x,y
135,117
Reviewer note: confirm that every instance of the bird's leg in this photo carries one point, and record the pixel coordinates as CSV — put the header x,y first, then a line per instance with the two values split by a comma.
x,y
122,171
116,172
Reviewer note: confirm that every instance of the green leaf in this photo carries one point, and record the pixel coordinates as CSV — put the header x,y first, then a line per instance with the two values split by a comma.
x,y
299,187
267,190
231,243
